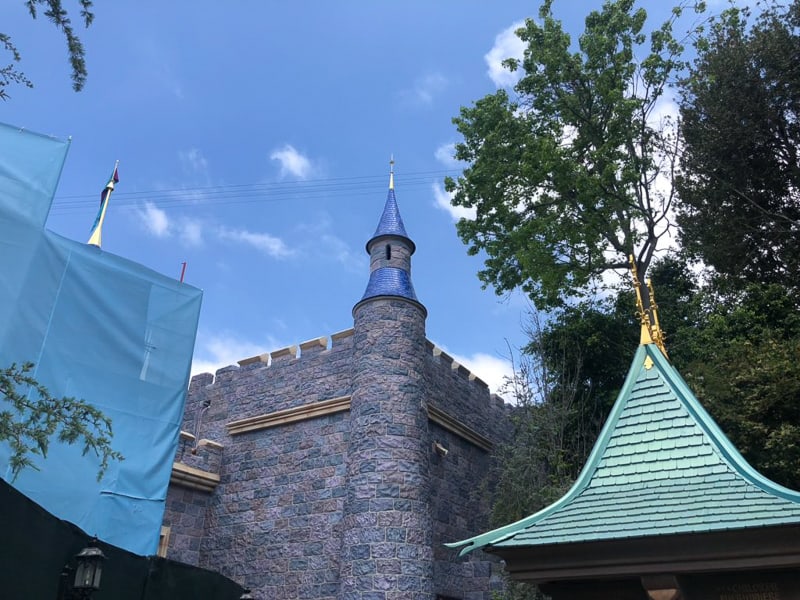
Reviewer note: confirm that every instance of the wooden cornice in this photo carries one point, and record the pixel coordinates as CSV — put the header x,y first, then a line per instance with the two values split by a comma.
x,y
341,404
455,426
289,415
196,479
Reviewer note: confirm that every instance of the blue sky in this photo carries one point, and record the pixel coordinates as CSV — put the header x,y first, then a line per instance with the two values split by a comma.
x,y
254,141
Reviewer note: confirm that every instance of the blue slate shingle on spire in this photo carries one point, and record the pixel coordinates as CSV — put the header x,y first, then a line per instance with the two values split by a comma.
x,y
390,281
391,222
387,277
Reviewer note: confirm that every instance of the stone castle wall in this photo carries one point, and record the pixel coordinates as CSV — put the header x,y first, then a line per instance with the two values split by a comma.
x,y
260,483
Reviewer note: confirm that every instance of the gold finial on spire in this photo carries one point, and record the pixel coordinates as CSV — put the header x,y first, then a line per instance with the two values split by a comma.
x,y
391,171
658,333
644,318
651,332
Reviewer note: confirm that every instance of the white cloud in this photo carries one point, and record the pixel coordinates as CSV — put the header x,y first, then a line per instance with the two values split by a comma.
x,y
220,350
191,232
158,224
427,88
446,154
154,220
493,370
506,45
264,242
318,240
340,251
193,161
442,201
292,162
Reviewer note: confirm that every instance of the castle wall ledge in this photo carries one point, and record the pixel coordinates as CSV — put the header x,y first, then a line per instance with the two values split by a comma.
x,y
289,415
455,426
342,404
210,444
190,477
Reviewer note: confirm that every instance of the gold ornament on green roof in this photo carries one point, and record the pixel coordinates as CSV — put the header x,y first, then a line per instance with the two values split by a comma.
x,y
648,317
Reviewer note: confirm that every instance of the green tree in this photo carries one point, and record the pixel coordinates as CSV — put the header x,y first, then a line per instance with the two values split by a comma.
x,y
743,362
536,466
740,183
738,351
30,417
55,12
565,381
563,173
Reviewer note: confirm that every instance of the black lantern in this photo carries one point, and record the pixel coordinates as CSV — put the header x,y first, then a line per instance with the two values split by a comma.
x,y
90,568
87,572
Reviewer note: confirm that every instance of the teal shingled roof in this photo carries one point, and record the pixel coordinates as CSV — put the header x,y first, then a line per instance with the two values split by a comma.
x,y
660,466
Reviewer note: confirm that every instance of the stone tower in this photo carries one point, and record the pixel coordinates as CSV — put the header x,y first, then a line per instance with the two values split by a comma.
x,y
386,542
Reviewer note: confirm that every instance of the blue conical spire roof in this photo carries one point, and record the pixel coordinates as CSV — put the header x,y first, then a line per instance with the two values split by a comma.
x,y
391,223
391,277
390,281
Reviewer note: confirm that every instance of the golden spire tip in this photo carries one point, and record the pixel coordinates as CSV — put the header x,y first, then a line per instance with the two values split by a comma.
x,y
651,332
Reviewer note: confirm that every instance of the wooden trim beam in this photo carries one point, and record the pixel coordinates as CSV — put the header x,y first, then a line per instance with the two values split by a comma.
x,y
341,404
196,479
455,426
289,415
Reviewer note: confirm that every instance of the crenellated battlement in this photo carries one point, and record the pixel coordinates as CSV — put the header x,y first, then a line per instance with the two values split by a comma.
x,y
447,365
319,370
297,355
341,340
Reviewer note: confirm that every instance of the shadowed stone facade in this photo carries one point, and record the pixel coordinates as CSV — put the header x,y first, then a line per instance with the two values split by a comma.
x,y
337,470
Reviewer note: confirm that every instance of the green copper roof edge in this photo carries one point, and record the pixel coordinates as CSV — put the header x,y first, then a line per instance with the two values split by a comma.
x,y
706,422
501,533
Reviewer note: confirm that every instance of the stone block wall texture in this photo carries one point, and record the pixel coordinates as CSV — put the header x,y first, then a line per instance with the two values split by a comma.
x,y
286,521
461,490
387,541
185,515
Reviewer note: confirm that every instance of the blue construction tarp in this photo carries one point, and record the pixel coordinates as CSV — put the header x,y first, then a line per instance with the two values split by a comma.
x,y
97,327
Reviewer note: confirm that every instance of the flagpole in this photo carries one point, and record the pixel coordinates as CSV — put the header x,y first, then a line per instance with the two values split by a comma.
x,y
96,238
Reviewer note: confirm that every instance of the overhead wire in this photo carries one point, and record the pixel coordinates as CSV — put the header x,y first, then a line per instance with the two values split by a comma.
x,y
246,193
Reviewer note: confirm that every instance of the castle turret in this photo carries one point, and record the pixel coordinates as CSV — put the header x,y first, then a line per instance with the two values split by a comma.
x,y
387,524
390,251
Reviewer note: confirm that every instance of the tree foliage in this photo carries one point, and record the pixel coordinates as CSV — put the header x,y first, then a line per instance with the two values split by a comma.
x,y
30,417
536,465
572,174
563,174
740,183
55,12
743,362
739,352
